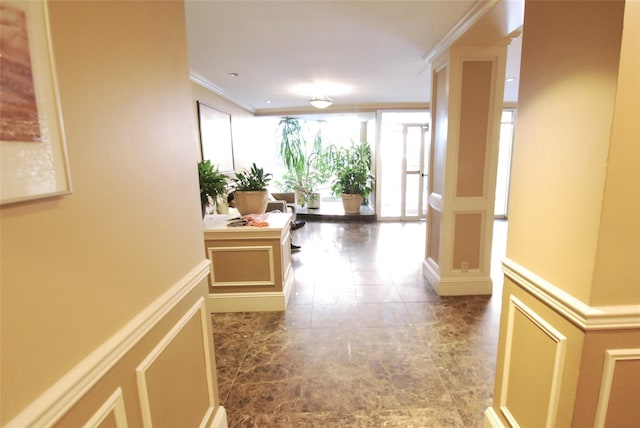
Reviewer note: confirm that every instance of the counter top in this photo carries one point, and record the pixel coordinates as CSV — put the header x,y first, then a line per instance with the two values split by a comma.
x,y
218,222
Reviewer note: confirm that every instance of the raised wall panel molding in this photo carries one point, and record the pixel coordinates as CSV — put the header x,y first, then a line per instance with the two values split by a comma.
x,y
257,249
612,356
115,404
491,419
198,309
62,395
220,419
516,304
580,314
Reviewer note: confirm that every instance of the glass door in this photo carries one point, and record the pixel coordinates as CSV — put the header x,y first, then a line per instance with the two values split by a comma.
x,y
403,152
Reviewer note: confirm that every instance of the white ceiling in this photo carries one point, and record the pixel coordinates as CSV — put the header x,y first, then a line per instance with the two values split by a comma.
x,y
368,53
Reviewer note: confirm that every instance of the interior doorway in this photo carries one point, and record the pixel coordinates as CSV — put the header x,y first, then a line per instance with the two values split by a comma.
x,y
403,150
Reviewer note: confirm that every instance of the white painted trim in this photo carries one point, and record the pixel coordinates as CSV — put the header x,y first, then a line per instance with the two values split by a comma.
x,y
458,286
220,419
461,27
612,356
491,419
62,395
141,371
115,404
255,248
199,80
580,314
558,366
247,302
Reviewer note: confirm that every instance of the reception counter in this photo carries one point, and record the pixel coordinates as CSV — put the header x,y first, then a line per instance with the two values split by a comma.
x,y
250,266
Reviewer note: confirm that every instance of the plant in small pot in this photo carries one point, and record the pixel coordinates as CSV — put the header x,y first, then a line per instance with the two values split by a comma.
x,y
353,181
213,184
250,190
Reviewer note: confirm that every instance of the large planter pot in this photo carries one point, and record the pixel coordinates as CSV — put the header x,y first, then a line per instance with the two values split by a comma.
x,y
351,203
313,201
251,202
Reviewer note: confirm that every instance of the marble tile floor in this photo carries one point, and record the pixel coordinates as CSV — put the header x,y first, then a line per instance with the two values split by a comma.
x,y
365,341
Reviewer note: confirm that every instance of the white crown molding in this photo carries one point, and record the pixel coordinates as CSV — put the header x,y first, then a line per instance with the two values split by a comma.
x,y
577,312
62,395
474,14
199,80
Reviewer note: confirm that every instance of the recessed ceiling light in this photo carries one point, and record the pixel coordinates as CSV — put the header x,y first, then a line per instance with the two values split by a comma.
x,y
234,74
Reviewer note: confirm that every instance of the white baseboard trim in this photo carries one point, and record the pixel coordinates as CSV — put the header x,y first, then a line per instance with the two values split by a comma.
x,y
220,419
456,286
579,313
491,419
265,301
63,394
247,302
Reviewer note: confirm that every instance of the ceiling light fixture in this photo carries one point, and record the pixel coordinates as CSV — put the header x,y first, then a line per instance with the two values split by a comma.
x,y
321,102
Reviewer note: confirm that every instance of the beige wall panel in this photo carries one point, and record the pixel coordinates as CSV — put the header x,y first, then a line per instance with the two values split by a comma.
x,y
617,270
593,374
111,414
434,226
621,412
526,361
123,374
534,365
242,266
467,240
474,120
173,379
562,139
109,422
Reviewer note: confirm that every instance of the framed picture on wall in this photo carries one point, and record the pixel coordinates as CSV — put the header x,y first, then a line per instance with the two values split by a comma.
x,y
33,156
216,142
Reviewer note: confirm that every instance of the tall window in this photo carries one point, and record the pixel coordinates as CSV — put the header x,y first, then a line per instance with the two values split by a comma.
x,y
507,125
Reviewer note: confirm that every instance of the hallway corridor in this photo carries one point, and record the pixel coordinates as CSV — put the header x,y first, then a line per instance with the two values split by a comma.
x,y
365,342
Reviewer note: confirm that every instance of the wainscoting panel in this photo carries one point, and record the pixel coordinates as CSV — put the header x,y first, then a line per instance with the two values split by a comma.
x,y
111,413
242,266
169,344
620,381
174,381
532,372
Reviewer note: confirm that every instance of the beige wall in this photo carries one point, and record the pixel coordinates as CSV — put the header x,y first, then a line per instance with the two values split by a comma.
x,y
562,139
616,278
77,268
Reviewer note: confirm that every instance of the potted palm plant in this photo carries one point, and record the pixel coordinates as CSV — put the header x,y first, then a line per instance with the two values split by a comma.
x,y
213,184
353,182
309,164
250,190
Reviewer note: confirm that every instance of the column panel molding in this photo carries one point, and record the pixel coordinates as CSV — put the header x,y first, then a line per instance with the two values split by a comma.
x,y
577,312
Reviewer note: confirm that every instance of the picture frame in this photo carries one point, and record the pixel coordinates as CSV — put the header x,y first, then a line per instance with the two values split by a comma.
x,y
216,141
33,151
